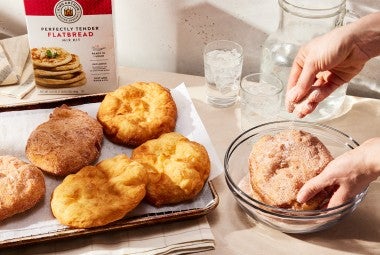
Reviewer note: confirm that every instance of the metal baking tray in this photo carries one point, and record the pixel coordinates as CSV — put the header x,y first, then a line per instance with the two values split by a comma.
x,y
165,214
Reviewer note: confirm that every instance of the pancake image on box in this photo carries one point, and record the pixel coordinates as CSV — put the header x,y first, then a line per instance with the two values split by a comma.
x,y
177,168
68,141
280,164
55,67
98,195
136,113
22,186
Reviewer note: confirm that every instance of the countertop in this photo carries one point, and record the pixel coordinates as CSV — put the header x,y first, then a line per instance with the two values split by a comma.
x,y
234,232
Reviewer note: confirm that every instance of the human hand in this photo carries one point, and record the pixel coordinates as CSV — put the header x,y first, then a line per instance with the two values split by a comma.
x,y
320,67
349,174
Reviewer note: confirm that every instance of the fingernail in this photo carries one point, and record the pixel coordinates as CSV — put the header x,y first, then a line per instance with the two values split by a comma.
x,y
291,95
314,95
289,106
289,100
298,112
300,197
307,107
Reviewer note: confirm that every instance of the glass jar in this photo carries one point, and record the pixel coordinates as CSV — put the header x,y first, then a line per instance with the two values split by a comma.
x,y
300,21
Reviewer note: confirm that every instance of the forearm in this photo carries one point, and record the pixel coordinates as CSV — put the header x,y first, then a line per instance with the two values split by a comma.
x,y
366,34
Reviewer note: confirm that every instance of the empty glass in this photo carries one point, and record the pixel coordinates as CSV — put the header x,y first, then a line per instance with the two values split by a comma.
x,y
260,99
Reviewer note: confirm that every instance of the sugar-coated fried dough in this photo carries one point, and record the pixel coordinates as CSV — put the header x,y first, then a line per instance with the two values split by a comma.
x,y
136,113
280,164
22,186
68,141
98,195
177,168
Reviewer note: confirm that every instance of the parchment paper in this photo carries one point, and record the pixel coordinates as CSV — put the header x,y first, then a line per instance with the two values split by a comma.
x,y
15,128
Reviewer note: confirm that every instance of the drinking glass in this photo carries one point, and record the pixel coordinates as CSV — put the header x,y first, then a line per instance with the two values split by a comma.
x,y
260,99
223,61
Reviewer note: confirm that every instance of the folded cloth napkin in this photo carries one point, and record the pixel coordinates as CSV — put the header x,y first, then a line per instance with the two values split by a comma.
x,y
16,68
177,238
13,54
24,86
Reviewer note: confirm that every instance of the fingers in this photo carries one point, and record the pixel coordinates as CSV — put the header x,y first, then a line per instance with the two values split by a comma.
x,y
301,78
317,184
309,104
295,72
340,196
323,86
345,175
311,188
327,178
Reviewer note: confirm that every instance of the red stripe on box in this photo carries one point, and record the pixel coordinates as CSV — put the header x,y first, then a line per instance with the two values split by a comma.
x,y
46,7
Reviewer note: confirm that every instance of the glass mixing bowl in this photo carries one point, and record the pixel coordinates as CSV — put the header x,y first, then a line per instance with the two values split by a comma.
x,y
285,220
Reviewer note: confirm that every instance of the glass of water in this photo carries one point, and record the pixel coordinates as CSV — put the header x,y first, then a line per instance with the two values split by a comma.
x,y
223,61
260,99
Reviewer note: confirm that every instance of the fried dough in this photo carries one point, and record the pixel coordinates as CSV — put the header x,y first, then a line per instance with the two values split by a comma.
x,y
98,195
22,186
136,113
177,168
68,141
280,164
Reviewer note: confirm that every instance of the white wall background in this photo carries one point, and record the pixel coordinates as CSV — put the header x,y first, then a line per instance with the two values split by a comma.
x,y
169,35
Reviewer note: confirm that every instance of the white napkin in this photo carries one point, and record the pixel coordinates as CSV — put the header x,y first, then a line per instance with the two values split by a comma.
x,y
24,86
16,69
170,238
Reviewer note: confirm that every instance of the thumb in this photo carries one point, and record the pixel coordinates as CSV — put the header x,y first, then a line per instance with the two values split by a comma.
x,y
310,189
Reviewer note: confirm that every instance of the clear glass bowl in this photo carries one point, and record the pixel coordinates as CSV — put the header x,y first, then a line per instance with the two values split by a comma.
x,y
285,220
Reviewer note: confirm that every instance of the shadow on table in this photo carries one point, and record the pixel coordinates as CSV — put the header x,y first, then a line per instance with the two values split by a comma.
x,y
358,233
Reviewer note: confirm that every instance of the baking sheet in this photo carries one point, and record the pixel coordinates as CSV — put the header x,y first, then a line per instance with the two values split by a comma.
x,y
38,224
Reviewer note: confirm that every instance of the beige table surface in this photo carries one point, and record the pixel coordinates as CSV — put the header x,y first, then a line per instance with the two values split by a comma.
x,y
234,232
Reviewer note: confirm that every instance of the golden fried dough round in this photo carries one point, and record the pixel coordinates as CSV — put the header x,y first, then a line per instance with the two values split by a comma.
x,y
280,164
68,141
136,113
98,195
177,168
50,56
22,186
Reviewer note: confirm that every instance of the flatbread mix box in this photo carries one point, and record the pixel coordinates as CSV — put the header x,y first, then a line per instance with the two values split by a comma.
x,y
72,45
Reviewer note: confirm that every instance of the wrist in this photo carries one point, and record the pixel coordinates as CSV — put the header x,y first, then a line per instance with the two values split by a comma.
x,y
371,152
366,34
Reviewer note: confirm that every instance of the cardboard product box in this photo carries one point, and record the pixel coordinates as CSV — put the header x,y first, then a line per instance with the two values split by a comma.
x,y
72,45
